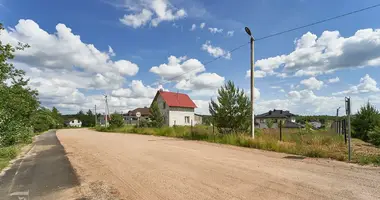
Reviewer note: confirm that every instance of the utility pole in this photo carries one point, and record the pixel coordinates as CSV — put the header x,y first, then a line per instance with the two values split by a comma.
x,y
252,40
348,112
96,117
106,110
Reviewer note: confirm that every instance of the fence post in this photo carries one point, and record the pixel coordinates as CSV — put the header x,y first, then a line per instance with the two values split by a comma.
x,y
280,130
345,131
191,129
339,126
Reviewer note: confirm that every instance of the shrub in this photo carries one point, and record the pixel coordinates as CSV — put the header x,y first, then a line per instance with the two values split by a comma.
x,y
365,121
8,152
374,136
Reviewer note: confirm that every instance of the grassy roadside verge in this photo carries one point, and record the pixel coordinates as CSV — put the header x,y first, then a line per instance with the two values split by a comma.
x,y
11,152
316,144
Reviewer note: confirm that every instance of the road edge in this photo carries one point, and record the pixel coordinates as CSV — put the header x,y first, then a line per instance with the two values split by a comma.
x,y
25,149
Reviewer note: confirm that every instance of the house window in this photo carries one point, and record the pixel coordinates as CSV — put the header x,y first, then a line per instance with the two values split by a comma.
x,y
72,122
187,119
262,120
164,105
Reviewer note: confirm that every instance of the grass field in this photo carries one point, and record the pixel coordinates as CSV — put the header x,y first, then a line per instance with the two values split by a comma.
x,y
319,144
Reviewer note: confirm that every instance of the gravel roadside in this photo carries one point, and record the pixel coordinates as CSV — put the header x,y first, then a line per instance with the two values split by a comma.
x,y
127,166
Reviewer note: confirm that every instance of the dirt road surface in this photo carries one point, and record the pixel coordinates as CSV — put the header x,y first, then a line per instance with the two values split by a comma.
x,y
148,167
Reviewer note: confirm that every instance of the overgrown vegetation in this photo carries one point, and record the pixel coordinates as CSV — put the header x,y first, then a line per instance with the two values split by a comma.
x,y
18,102
20,113
366,123
319,144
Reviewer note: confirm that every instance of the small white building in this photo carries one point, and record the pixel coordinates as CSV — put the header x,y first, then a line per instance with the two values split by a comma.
x,y
74,123
176,108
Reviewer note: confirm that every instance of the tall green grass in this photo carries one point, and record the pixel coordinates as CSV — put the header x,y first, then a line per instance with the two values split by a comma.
x,y
318,144
7,154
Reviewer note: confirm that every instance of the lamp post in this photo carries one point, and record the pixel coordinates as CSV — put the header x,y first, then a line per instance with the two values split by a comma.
x,y
252,81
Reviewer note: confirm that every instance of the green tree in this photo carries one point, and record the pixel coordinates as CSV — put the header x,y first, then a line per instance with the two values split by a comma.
x,y
365,121
232,111
43,120
17,101
117,120
157,120
269,123
90,118
374,136
57,117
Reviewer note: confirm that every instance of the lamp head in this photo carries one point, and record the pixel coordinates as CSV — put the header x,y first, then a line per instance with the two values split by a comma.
x,y
248,31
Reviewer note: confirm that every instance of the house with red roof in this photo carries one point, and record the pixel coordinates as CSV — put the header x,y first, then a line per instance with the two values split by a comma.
x,y
176,108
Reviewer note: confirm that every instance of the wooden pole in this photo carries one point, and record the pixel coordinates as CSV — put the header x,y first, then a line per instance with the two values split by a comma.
x,y
280,130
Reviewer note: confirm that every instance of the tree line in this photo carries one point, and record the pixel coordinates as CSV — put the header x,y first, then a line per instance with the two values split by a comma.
x,y
87,119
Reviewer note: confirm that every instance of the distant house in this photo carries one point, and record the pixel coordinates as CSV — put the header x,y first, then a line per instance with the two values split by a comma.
x,y
131,118
176,108
276,116
316,124
198,118
102,120
73,123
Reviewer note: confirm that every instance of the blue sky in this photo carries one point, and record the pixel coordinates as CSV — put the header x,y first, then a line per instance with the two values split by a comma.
x,y
72,73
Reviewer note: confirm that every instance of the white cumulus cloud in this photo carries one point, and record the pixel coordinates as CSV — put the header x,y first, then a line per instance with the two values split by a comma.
x,y
216,51
366,85
230,33
315,55
202,25
193,27
334,80
215,30
187,73
142,12
258,74
312,83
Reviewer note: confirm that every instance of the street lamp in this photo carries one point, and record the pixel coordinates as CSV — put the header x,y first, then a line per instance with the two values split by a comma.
x,y
252,81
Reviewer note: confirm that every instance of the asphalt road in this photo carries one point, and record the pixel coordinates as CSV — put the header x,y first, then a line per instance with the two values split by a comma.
x,y
44,172
147,167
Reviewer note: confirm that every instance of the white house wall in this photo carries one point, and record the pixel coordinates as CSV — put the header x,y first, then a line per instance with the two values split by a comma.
x,y
177,116
75,123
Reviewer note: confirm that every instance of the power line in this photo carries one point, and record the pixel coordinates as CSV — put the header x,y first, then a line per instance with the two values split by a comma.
x,y
206,63
277,34
318,22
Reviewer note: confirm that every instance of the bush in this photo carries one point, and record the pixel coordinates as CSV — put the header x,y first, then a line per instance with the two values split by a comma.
x,y
374,136
365,121
8,152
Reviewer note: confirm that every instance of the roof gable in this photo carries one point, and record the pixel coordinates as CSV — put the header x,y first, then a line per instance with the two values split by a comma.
x,y
144,111
276,114
175,99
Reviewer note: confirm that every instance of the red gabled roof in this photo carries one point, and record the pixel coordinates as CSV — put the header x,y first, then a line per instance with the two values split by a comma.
x,y
174,99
